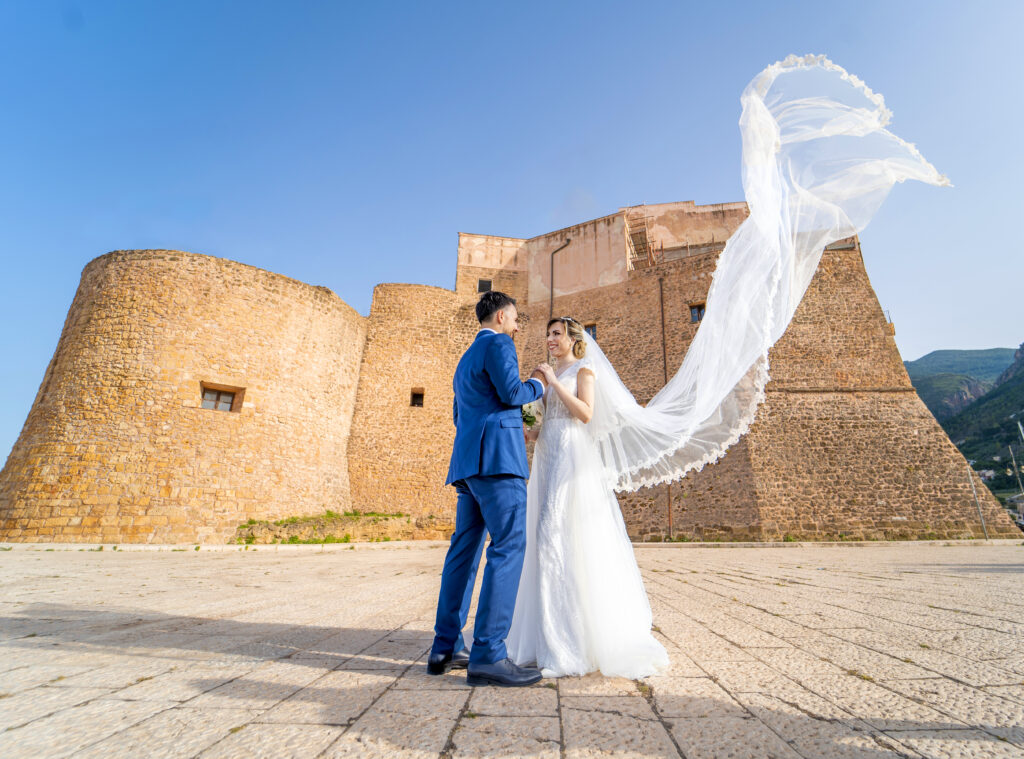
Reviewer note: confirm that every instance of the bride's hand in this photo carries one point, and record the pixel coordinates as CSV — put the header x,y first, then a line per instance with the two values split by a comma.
x,y
548,372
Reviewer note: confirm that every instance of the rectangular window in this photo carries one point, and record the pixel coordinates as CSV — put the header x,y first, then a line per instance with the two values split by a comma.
x,y
483,285
218,399
591,330
696,312
417,397
221,397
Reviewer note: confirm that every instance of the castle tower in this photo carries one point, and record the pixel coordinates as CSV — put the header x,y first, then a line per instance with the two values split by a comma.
x,y
187,394
842,449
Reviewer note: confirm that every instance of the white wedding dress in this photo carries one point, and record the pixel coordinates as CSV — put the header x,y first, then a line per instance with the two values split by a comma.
x,y
581,606
818,162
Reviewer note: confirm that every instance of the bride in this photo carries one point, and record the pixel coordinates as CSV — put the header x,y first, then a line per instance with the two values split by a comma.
x,y
818,162
581,605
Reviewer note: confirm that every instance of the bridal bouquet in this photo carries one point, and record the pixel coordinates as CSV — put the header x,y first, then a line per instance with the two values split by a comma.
x,y
531,413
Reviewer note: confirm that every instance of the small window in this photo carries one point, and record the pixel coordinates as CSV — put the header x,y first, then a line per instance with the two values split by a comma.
x,y
591,330
483,285
417,397
220,400
696,312
221,397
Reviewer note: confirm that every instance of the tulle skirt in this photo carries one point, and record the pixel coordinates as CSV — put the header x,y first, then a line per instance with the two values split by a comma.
x,y
581,605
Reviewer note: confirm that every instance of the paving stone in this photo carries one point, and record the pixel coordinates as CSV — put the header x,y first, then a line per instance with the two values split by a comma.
x,y
994,714
24,678
119,675
848,656
626,706
729,738
588,733
1012,692
177,732
597,685
814,727
514,702
695,697
390,653
262,687
507,736
225,634
737,677
416,677
255,741
795,662
185,682
67,731
970,671
336,698
958,744
32,704
878,706
382,732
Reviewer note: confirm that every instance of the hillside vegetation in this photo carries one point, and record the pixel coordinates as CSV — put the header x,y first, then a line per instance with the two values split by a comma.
x,y
984,429
947,394
977,397
985,365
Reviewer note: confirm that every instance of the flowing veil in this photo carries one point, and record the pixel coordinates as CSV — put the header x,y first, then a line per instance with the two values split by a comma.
x,y
817,164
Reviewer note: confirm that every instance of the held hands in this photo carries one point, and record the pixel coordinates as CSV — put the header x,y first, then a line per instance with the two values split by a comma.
x,y
547,374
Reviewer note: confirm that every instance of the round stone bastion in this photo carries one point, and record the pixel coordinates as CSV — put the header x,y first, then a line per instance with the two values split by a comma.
x,y
187,394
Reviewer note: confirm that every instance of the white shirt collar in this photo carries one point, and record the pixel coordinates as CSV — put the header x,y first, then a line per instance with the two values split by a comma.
x,y
487,329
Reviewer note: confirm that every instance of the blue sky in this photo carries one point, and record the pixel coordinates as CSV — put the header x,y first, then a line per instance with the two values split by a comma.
x,y
346,144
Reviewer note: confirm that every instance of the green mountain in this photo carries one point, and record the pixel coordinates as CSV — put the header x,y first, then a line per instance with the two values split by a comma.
x,y
984,365
948,394
983,430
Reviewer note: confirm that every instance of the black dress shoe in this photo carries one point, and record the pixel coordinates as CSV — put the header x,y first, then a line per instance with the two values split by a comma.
x,y
505,672
438,664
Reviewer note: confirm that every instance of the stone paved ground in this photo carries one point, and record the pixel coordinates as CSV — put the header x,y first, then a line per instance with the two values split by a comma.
x,y
880,651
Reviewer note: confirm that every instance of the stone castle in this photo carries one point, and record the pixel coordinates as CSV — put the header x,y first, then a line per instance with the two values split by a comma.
x,y
189,394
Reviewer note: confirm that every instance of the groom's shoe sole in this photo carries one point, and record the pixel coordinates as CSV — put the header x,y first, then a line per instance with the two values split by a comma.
x,y
484,680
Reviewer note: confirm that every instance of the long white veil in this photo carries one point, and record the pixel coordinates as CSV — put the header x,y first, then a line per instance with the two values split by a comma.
x,y
817,164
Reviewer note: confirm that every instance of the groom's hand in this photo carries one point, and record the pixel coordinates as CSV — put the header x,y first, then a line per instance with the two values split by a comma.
x,y
538,374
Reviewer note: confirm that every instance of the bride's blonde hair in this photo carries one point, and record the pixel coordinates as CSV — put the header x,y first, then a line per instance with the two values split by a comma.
x,y
575,332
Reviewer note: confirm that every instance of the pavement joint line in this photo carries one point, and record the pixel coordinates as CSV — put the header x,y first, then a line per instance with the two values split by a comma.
x,y
647,693
449,744
742,606
561,723
373,702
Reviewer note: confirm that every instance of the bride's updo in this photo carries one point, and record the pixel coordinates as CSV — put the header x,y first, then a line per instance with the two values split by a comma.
x,y
575,332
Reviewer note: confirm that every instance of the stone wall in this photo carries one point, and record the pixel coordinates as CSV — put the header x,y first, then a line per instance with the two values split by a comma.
x,y
117,448
843,448
399,453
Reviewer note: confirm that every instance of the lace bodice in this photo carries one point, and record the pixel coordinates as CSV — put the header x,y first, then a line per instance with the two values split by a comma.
x,y
554,408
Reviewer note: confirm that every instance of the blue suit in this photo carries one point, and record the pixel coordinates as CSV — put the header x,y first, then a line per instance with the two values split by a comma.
x,y
488,469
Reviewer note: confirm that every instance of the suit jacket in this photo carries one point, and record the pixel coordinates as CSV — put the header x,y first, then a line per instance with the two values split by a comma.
x,y
488,420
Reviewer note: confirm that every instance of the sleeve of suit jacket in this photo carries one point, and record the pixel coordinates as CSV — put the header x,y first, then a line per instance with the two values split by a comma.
x,y
502,367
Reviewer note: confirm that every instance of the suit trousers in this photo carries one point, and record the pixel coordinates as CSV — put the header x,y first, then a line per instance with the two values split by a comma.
x,y
493,504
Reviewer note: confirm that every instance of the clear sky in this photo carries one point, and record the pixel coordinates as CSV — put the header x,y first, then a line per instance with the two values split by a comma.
x,y
346,144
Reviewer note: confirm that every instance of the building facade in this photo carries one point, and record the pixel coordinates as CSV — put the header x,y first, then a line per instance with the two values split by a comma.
x,y
189,394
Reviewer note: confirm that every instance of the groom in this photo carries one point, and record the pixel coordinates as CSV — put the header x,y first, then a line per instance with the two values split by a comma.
x,y
488,469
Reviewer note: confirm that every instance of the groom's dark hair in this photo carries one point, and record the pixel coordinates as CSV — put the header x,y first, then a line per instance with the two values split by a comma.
x,y
490,303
